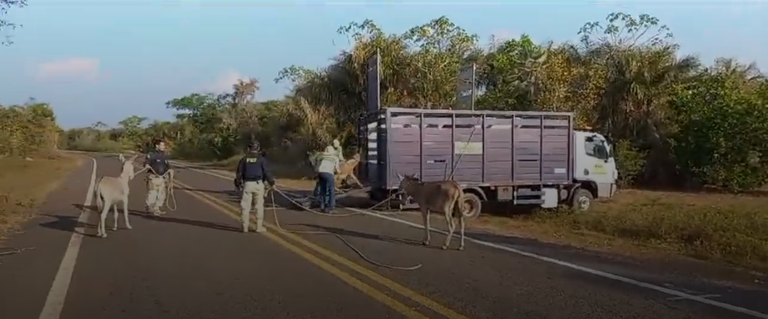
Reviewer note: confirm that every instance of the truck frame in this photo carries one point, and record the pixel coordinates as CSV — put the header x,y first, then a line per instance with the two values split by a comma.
x,y
525,158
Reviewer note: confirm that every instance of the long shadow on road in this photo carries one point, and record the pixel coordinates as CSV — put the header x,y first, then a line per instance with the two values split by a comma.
x,y
70,223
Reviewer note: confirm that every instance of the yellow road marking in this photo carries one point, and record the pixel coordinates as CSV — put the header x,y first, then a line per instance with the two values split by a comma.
x,y
410,294
349,279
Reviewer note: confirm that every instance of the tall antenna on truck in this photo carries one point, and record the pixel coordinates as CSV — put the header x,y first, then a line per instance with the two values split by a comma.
x,y
373,77
465,88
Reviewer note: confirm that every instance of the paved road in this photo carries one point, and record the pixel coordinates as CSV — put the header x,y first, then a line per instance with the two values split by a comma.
x,y
194,263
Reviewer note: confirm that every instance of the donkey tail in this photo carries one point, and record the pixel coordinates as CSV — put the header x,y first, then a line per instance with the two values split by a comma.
x,y
458,202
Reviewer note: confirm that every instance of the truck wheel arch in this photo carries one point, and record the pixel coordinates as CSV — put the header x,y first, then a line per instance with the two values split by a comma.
x,y
473,197
589,186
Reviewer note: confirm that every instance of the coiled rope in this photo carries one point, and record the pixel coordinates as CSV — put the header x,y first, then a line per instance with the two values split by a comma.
x,y
170,196
318,232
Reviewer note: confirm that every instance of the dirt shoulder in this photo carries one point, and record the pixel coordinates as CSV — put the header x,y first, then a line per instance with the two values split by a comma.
x,y
25,183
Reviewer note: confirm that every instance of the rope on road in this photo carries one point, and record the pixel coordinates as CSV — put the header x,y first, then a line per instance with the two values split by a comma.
x,y
170,196
14,251
317,232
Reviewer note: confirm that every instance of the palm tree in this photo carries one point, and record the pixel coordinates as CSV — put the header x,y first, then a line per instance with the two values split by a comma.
x,y
748,73
244,91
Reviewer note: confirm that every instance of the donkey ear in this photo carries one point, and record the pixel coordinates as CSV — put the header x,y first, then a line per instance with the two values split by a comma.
x,y
121,157
399,176
416,175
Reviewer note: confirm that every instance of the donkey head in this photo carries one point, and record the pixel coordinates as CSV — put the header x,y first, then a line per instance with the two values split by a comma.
x,y
407,180
127,166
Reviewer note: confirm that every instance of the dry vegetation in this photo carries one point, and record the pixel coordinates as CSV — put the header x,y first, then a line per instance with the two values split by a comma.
x,y
726,228
676,123
24,185
30,166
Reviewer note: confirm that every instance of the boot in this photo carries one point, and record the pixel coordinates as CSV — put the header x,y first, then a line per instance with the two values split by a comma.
x,y
260,227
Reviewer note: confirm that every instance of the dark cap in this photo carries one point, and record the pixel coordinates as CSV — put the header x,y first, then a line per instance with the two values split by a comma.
x,y
253,145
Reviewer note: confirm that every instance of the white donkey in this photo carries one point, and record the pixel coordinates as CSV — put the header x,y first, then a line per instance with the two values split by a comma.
x,y
111,191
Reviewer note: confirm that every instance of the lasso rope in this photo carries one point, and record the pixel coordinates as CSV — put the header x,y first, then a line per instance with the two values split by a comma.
x,y
169,193
318,232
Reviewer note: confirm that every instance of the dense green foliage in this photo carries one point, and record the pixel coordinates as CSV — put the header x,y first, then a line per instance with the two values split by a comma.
x,y
673,120
27,129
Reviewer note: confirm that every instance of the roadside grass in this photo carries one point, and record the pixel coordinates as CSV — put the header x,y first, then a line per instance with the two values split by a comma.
x,y
730,229
24,184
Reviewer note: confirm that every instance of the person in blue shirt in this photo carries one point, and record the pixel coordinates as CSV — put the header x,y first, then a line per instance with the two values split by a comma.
x,y
158,165
252,174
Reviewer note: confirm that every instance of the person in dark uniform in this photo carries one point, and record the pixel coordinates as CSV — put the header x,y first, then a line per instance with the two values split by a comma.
x,y
158,164
237,182
252,174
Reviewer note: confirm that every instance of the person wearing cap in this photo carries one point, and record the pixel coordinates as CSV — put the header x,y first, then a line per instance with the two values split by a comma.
x,y
327,167
252,174
339,153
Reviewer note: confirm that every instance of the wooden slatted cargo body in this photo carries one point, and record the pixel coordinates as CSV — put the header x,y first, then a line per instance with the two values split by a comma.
x,y
481,148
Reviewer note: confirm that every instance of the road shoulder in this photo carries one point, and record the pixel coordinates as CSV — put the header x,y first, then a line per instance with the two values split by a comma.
x,y
26,277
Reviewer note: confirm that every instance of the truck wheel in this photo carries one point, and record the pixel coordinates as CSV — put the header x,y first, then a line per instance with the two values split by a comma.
x,y
581,200
471,205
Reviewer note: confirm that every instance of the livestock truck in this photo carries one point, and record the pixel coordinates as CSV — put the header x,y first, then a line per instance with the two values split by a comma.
x,y
525,158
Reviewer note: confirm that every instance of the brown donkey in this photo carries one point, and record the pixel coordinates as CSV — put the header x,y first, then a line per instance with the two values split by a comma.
x,y
442,196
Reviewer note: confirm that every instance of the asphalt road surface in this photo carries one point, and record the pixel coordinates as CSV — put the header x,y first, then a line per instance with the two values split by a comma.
x,y
196,263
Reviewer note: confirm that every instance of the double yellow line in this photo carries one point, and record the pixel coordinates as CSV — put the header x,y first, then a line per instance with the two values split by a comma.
x,y
374,293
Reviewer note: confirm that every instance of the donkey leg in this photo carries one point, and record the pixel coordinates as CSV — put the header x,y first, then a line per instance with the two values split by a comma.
x,y
115,215
125,215
461,224
425,219
451,228
103,218
356,180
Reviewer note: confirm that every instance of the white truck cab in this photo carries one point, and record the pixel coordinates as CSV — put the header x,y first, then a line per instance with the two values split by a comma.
x,y
594,166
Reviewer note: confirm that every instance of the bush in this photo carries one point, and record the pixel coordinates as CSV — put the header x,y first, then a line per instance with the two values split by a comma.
x,y
723,126
27,130
629,161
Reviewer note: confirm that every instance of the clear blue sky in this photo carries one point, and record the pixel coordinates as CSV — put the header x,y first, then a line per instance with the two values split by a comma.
x,y
106,60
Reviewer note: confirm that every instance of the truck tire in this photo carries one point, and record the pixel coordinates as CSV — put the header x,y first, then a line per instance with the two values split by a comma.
x,y
471,205
581,200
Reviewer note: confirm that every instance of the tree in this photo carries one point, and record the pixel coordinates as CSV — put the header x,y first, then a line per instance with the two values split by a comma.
x,y
5,7
244,91
722,129
133,132
625,78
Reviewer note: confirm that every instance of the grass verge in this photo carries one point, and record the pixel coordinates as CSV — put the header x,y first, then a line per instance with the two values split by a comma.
x,y
24,184
731,229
